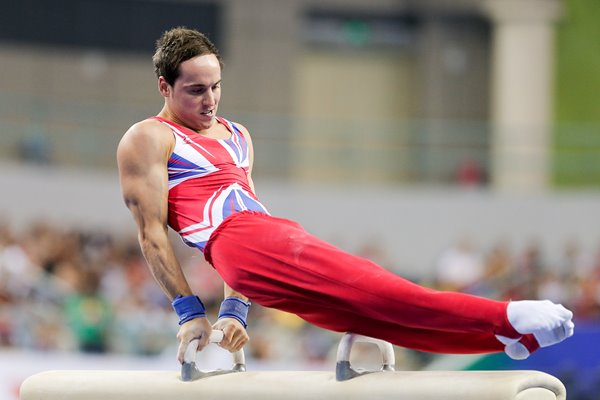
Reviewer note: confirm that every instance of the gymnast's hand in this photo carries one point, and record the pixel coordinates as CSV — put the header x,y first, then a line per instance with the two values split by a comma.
x,y
197,328
234,334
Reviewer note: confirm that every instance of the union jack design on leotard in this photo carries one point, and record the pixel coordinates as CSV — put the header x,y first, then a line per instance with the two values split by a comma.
x,y
208,181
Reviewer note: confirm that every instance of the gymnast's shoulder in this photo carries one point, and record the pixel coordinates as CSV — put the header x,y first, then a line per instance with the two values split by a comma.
x,y
149,135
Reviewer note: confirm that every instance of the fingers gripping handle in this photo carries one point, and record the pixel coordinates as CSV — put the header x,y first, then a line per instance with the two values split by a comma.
x,y
189,371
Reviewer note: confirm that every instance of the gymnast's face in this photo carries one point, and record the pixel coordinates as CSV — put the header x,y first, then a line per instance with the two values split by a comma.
x,y
194,97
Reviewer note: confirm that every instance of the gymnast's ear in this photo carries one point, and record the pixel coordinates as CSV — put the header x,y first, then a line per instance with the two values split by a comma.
x,y
163,87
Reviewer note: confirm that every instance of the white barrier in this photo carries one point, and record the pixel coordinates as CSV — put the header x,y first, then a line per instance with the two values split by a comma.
x,y
289,385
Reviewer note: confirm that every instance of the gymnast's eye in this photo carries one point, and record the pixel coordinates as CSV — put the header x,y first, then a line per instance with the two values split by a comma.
x,y
197,90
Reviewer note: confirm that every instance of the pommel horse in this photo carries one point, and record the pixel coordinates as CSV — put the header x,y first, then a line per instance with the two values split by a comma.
x,y
346,383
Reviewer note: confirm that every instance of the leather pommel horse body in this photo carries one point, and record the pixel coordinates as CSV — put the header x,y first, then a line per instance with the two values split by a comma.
x,y
344,384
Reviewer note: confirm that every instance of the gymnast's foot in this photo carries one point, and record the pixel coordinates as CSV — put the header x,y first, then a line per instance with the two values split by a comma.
x,y
542,322
548,322
520,348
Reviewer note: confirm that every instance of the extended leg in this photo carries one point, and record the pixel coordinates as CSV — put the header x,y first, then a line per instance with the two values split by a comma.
x,y
412,338
277,264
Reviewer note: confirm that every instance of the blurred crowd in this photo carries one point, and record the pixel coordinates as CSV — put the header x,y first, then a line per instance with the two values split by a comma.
x,y
72,290
500,273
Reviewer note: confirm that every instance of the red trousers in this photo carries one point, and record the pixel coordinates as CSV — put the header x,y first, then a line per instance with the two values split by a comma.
x,y
277,264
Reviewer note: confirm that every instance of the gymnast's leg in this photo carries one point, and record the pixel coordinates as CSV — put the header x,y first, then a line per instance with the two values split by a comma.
x,y
422,339
418,339
278,264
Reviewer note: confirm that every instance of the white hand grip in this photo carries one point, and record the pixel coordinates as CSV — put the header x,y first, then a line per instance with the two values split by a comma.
x,y
343,369
345,346
216,336
190,353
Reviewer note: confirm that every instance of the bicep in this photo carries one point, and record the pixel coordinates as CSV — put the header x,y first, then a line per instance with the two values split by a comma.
x,y
144,180
145,196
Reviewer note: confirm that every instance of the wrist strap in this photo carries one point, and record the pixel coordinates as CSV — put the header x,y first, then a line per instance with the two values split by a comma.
x,y
188,307
233,307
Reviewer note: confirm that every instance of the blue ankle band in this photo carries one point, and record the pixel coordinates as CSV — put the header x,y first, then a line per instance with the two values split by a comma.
x,y
188,307
232,307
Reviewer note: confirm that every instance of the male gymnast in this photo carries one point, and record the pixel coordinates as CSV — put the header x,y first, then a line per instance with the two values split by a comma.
x,y
190,169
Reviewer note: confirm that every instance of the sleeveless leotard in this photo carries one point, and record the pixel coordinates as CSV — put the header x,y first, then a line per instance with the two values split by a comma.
x,y
208,181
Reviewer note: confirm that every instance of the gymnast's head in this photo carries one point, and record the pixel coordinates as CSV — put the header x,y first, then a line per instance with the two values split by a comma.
x,y
178,45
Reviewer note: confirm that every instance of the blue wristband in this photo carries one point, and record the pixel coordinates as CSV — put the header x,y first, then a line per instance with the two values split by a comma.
x,y
233,307
188,307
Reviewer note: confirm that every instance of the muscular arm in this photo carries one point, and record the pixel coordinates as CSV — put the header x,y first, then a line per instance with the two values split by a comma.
x,y
142,158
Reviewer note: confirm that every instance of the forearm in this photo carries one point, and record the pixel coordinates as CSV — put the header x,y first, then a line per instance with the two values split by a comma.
x,y
163,264
229,292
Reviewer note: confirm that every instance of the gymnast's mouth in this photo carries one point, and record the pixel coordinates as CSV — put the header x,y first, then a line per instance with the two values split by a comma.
x,y
209,112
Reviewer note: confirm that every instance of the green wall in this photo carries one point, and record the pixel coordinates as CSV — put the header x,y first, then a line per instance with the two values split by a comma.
x,y
577,96
578,63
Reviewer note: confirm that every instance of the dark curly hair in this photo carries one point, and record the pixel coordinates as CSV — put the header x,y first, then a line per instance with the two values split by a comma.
x,y
178,45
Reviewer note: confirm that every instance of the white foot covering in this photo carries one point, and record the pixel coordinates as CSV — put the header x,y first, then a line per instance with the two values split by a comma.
x,y
517,351
513,348
548,322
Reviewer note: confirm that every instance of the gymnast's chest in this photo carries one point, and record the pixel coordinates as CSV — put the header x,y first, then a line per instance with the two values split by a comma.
x,y
206,155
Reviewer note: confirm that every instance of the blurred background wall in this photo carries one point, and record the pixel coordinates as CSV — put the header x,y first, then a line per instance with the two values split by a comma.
x,y
400,92
497,97
454,142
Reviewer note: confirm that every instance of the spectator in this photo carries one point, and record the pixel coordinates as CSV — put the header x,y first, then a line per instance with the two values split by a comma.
x,y
459,267
89,313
